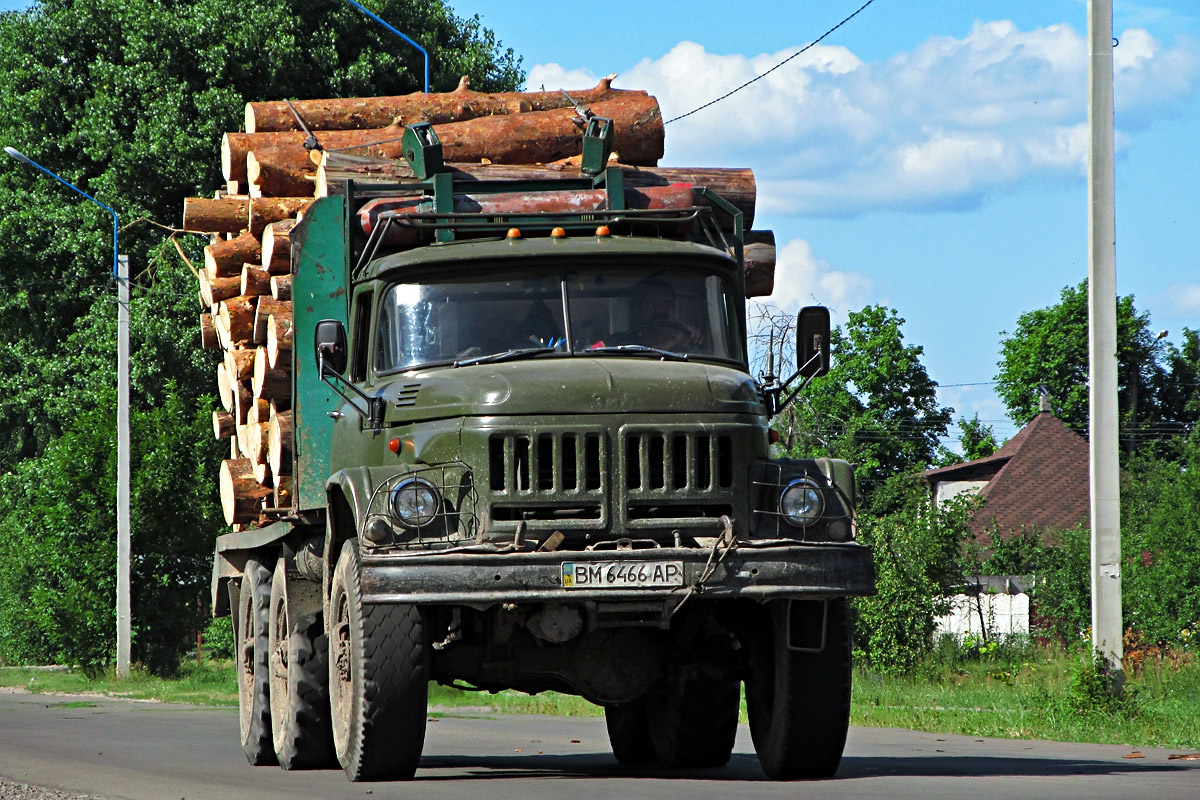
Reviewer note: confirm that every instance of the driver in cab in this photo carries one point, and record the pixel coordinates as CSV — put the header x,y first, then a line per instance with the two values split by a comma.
x,y
654,320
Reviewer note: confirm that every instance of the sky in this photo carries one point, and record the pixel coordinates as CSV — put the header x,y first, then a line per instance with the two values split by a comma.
x,y
930,157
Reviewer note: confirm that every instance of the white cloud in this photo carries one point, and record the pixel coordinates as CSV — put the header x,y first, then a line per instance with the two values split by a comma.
x,y
802,279
940,126
1185,298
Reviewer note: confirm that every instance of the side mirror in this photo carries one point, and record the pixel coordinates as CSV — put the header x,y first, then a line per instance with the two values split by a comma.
x,y
812,341
330,347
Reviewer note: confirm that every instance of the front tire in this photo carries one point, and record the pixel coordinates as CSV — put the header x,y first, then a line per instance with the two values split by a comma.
x,y
378,679
301,732
693,724
629,733
799,702
253,645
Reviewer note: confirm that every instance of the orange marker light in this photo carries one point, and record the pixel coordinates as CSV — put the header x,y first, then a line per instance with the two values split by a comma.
x,y
394,445
773,436
603,231
514,233
557,233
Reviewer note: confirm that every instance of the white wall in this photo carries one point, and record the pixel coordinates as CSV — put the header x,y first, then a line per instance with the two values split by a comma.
x,y
1004,614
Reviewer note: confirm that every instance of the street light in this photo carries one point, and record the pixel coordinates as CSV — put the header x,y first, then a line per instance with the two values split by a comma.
x,y
121,274
376,17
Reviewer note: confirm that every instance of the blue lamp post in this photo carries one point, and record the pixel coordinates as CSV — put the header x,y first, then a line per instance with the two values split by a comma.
x,y
401,35
121,274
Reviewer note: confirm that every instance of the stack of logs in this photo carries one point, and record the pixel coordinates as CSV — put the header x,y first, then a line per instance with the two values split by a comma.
x,y
272,177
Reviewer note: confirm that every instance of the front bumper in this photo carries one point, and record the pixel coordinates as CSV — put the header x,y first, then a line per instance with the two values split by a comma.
x,y
748,571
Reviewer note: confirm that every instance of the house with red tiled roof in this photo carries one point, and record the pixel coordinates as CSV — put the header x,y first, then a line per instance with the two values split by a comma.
x,y
1038,480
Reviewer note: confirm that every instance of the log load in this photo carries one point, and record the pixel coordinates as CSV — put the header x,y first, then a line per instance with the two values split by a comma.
x,y
216,215
439,107
533,138
758,257
240,492
265,210
224,258
280,171
277,247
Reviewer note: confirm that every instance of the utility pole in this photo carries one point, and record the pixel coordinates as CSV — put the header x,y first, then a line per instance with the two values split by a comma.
x,y
1107,627
123,546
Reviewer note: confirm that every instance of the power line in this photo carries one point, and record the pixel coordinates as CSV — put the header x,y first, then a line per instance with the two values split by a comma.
x,y
803,50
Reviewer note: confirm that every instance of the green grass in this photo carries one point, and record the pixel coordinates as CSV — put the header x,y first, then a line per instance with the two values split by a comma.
x,y
1037,698
211,683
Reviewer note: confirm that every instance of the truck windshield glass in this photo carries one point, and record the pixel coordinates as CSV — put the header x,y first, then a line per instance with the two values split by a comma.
x,y
678,310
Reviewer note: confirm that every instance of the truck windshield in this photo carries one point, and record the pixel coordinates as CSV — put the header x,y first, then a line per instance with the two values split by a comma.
x,y
687,311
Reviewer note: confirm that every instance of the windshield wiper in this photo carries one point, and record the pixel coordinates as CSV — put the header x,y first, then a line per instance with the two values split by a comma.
x,y
507,355
639,349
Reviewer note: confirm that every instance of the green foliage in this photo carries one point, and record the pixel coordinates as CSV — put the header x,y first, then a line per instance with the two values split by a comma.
x,y
128,101
1160,544
977,440
877,407
1095,689
1157,384
918,552
218,637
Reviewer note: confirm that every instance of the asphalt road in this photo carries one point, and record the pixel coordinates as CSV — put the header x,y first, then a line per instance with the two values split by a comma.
x,y
143,751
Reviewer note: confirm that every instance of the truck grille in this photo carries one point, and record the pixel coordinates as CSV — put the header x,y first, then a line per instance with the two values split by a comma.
x,y
548,466
677,478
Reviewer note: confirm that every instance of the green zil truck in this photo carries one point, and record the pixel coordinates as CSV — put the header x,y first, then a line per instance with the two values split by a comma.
x,y
529,455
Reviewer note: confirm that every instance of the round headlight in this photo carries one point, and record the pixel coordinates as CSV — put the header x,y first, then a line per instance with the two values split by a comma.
x,y
415,502
800,503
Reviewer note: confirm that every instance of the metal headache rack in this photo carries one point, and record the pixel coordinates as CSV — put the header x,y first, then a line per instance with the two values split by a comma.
x,y
437,187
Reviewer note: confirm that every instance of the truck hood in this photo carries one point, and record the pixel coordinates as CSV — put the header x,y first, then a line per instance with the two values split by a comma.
x,y
570,385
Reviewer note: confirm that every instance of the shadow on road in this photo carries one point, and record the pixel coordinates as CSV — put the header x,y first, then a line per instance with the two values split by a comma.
x,y
744,767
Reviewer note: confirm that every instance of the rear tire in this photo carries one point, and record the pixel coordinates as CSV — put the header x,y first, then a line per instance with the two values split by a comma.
x,y
254,702
629,733
799,702
301,732
378,679
693,724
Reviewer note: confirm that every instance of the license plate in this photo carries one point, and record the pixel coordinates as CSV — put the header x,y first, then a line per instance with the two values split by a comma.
x,y
621,574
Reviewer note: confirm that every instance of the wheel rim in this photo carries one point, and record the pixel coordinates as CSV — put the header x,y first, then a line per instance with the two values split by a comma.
x,y
340,676
245,667
278,666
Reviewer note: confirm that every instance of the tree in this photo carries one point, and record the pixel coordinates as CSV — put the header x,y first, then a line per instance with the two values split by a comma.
x,y
1049,347
877,407
977,440
128,100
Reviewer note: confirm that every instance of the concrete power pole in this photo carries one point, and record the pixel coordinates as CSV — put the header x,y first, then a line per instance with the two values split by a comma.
x,y
1107,628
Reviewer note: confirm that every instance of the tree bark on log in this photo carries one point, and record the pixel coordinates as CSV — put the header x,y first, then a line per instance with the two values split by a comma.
x,y
265,210
214,290
239,364
241,494
759,262
281,287
221,215
255,280
284,490
268,306
224,258
437,107
223,424
736,185
243,400
279,443
208,332
280,172
277,247
236,317
271,384
279,341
